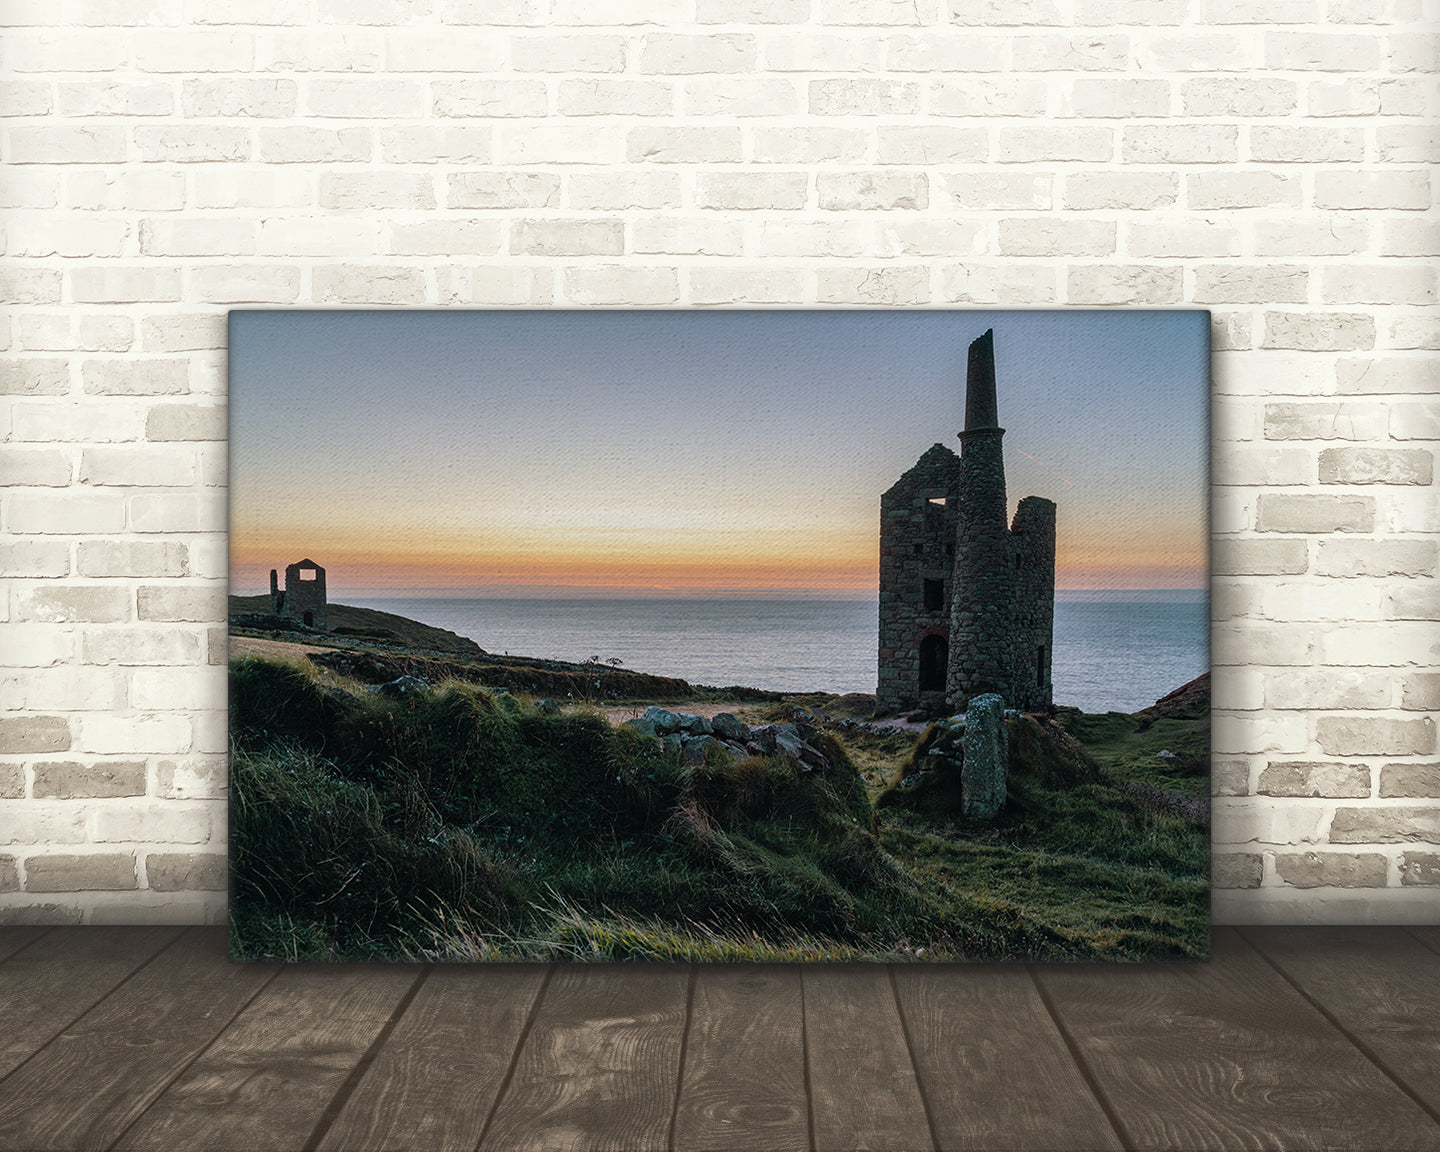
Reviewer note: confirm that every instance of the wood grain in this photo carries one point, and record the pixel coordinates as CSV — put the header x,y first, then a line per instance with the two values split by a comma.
x,y
744,1081
61,976
1227,1055
436,1079
1382,986
15,937
92,1081
600,1066
269,1077
862,1081
995,1070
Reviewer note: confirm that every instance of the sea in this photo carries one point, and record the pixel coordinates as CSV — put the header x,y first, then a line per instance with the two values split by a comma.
x,y
1114,651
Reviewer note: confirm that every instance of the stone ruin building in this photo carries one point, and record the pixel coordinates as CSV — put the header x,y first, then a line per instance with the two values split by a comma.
x,y
303,598
967,604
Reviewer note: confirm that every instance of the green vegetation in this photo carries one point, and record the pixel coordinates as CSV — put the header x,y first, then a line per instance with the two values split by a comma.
x,y
462,822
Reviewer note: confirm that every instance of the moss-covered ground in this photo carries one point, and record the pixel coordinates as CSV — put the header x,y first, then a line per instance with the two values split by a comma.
x,y
463,823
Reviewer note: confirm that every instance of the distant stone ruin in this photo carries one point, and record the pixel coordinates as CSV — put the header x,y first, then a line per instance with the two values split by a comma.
x,y
967,605
302,601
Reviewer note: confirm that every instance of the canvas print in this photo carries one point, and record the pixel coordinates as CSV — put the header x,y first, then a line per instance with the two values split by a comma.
x,y
719,636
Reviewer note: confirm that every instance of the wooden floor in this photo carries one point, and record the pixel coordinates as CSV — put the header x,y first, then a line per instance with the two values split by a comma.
x,y
148,1038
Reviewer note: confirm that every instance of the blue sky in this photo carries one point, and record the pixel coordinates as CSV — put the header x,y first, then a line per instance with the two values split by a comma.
x,y
694,452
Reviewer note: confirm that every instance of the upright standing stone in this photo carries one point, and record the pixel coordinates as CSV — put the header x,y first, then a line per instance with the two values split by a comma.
x,y
987,751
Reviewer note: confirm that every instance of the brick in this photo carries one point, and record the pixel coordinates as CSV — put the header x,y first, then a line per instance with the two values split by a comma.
x,y
1106,98
172,823
132,646
1386,825
367,191
1420,691
1311,235
1348,558
1410,237
1333,869
985,96
1047,236
1419,781
495,11
503,189
1242,189
1321,52
511,96
807,145
684,145
68,779
874,286
597,97
29,285
1228,284
186,871
822,238
9,874
35,237
305,144
45,913
1375,736
1300,144
552,237
1322,600
1390,283
1093,52
1191,238
682,235
358,284
1197,51
34,558
623,189
39,467
752,190
103,872
904,237
1027,145
446,237
622,284
1342,420
990,284
193,50
752,11
1259,557
745,285
1000,190
1003,13
553,52
675,54
1124,284
35,646
1284,512
1230,778
1413,330
1238,96
140,735
1241,821
1236,870
191,143
163,688
1302,778
1373,190
65,689
65,512
70,144
1376,466
1417,868
813,51
180,603
873,190
1143,190
366,97
193,778
186,422
1264,644
1414,422
931,144
495,285
135,377
74,603
1179,143
863,96
236,96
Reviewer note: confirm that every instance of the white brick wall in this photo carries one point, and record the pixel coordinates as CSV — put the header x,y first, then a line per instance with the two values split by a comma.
x,y
1268,159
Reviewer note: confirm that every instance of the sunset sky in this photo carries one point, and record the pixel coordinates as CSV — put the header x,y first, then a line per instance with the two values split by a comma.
x,y
671,453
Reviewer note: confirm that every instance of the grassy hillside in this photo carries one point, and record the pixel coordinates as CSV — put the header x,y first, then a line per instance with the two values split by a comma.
x,y
346,622
460,822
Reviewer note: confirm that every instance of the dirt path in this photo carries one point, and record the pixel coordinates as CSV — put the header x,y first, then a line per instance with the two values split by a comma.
x,y
253,646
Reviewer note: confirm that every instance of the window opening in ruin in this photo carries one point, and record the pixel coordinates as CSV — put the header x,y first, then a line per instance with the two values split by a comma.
x,y
934,659
308,619
307,573
1040,666
938,501
934,595
918,549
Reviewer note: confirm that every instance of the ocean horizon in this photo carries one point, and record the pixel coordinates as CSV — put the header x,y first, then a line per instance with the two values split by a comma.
x,y
1115,649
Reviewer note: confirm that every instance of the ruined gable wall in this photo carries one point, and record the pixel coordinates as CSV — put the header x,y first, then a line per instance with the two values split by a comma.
x,y
1032,539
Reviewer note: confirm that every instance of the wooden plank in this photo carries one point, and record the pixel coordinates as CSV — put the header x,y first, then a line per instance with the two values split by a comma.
x,y
91,1082
1226,1055
600,1066
437,1077
744,1079
269,1077
61,976
995,1071
1427,934
863,1089
15,937
1379,984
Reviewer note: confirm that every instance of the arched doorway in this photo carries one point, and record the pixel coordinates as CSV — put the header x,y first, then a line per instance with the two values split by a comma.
x,y
934,662
308,619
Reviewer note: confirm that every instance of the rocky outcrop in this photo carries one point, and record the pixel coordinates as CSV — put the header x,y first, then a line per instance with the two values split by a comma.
x,y
694,736
1188,702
